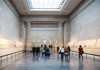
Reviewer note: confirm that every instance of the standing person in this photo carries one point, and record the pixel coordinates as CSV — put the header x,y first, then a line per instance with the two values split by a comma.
x,y
47,52
69,50
41,48
66,53
57,49
33,50
50,46
80,50
45,47
69,53
44,50
37,50
62,50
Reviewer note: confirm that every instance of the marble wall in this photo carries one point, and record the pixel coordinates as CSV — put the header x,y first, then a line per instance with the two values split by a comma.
x,y
44,32
9,30
85,28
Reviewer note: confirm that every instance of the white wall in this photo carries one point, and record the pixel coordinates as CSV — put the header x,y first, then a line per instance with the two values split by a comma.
x,y
9,30
22,33
41,32
85,28
66,33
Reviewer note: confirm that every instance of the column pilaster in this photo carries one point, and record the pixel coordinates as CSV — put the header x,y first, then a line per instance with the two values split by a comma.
x,y
28,36
60,33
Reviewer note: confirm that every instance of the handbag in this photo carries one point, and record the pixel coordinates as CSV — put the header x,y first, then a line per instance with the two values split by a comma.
x,y
82,52
59,52
66,53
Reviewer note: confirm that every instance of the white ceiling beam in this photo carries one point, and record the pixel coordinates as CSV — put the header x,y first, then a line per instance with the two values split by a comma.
x,y
64,6
26,6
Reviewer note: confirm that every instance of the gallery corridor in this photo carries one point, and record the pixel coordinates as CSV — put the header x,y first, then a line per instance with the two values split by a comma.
x,y
42,25
29,62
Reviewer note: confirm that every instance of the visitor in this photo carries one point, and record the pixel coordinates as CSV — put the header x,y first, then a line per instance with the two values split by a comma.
x,y
80,50
62,51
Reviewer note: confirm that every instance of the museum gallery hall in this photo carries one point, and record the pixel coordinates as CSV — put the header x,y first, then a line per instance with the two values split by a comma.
x,y
49,34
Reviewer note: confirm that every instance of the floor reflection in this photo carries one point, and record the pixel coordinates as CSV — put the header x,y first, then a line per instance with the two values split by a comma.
x,y
81,65
52,62
64,66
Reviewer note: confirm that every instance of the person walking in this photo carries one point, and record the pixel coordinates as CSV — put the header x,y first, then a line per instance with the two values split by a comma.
x,y
33,50
67,53
62,51
80,50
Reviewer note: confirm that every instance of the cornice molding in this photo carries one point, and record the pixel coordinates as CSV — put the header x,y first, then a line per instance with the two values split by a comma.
x,y
44,18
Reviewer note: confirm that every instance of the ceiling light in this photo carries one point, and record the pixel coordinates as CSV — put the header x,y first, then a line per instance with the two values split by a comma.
x,y
45,4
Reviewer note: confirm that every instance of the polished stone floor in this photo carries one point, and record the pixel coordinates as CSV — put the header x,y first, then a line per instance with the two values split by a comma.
x,y
30,62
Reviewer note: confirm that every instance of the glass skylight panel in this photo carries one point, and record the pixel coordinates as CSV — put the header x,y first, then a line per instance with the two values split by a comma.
x,y
45,4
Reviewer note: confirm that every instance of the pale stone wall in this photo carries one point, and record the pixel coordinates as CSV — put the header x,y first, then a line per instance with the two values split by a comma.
x,y
85,28
44,32
66,33
22,33
9,30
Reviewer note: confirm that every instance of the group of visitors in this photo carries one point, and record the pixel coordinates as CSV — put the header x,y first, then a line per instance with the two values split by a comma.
x,y
66,52
63,51
36,50
44,49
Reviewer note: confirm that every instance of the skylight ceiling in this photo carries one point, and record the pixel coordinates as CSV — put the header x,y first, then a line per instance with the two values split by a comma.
x,y
46,5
